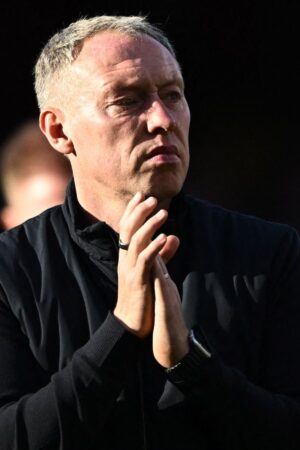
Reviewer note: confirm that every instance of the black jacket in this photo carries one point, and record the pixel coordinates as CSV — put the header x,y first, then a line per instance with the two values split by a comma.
x,y
72,378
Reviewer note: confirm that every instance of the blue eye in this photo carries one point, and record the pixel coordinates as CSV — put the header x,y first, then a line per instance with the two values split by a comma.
x,y
172,96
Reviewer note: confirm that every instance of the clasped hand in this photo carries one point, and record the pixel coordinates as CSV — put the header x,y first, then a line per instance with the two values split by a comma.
x,y
148,299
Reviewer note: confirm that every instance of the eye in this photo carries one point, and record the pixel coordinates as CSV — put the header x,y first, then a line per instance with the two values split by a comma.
x,y
126,102
172,96
123,105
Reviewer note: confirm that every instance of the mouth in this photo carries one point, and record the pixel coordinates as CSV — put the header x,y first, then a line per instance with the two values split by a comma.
x,y
164,154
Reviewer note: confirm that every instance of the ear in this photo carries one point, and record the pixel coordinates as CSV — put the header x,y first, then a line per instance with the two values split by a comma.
x,y
51,124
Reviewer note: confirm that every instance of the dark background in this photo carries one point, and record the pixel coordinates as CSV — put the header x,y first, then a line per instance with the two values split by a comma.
x,y
240,64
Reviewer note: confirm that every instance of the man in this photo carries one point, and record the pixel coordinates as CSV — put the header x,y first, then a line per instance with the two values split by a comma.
x,y
102,345
32,177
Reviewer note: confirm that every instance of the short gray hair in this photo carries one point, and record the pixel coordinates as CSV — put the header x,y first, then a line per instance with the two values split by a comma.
x,y
64,47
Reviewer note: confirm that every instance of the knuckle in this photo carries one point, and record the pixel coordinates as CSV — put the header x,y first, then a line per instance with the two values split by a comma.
x,y
136,240
124,230
143,261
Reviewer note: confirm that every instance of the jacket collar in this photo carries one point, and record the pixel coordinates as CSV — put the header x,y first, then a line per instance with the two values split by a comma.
x,y
99,239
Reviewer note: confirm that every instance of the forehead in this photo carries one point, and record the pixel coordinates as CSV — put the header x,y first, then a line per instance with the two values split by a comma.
x,y
114,53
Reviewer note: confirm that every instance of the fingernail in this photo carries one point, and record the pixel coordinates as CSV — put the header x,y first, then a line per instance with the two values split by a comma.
x,y
150,201
161,213
162,237
137,196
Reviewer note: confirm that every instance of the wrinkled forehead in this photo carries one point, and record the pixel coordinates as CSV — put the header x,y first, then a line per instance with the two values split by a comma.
x,y
108,51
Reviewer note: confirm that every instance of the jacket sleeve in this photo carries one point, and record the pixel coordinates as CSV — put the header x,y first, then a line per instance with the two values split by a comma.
x,y
241,414
81,395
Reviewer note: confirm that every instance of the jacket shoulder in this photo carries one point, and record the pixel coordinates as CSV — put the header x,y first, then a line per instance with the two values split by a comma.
x,y
32,231
22,248
220,219
239,241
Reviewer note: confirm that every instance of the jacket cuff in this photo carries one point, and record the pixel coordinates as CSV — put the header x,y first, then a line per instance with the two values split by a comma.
x,y
112,337
193,367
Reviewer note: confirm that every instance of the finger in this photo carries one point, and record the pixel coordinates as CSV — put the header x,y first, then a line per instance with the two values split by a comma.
x,y
147,258
143,236
133,202
170,248
160,268
135,216
163,283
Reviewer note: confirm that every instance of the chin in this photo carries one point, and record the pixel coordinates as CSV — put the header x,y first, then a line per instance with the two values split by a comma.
x,y
164,193
164,187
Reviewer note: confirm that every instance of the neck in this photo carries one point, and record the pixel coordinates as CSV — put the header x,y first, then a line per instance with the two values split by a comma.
x,y
109,206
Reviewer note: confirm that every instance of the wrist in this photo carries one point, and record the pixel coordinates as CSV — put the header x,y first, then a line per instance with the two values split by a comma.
x,y
186,369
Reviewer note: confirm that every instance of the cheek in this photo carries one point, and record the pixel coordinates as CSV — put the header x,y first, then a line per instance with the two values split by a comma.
x,y
186,117
121,137
102,140
112,130
183,119
83,135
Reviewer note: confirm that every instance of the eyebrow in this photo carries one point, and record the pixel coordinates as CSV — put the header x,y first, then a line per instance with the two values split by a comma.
x,y
123,86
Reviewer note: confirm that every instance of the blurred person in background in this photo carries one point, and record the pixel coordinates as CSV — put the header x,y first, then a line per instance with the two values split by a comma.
x,y
33,176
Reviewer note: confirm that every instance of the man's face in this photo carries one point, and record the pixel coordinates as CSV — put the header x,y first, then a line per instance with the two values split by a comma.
x,y
128,118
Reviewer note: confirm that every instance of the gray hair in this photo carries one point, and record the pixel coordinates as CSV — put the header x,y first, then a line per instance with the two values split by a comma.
x,y
64,47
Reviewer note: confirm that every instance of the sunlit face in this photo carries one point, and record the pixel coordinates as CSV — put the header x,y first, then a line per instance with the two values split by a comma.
x,y
128,118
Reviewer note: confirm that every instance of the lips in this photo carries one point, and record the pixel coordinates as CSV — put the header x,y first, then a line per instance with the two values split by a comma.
x,y
163,150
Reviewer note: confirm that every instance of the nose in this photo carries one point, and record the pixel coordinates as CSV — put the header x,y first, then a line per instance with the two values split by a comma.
x,y
159,118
